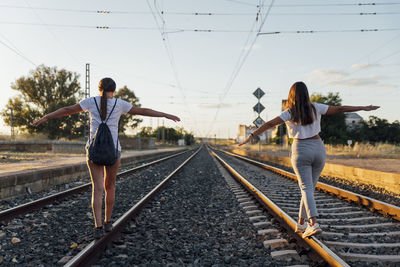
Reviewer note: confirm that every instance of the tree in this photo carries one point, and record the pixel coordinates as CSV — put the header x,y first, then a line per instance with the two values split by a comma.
x,y
189,139
43,91
333,127
128,122
146,132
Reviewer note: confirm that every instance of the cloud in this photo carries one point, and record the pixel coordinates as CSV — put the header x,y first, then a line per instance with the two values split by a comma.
x,y
324,75
208,105
364,66
255,46
342,78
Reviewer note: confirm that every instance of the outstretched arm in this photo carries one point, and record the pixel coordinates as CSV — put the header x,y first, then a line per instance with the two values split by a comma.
x,y
152,113
61,112
341,109
268,125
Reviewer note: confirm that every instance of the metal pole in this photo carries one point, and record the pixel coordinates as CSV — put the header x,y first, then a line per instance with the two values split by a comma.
x,y
86,95
12,125
163,132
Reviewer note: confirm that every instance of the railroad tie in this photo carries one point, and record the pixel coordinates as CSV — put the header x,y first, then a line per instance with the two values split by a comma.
x,y
246,203
257,218
275,243
285,254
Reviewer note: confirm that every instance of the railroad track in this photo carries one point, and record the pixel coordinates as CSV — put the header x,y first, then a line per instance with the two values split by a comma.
x,y
357,229
8,214
41,231
195,220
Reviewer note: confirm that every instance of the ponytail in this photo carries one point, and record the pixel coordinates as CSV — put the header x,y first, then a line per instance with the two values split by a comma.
x,y
103,106
105,85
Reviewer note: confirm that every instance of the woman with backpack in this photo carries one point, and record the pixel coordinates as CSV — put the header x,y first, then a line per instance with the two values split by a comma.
x,y
103,162
302,119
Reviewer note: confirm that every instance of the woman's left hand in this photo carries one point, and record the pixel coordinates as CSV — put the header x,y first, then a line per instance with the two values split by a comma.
x,y
172,117
40,121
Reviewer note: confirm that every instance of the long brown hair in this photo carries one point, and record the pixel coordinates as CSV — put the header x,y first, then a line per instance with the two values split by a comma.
x,y
300,105
105,85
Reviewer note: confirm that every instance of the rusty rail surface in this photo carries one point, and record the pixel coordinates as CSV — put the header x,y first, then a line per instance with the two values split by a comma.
x,y
322,250
373,204
9,214
92,251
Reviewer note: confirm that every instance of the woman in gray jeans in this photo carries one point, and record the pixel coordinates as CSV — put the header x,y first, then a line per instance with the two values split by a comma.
x,y
302,119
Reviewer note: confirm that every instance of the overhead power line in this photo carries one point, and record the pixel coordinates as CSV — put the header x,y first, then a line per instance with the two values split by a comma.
x,y
204,13
182,30
18,53
319,5
328,31
242,59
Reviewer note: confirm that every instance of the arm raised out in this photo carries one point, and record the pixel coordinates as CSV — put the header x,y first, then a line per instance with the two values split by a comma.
x,y
61,112
341,109
152,113
268,125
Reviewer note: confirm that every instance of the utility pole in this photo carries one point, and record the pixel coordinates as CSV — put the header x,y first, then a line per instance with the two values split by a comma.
x,y
86,95
12,125
163,133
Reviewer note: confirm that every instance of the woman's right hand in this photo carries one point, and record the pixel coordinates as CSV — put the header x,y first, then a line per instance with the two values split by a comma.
x,y
245,140
371,107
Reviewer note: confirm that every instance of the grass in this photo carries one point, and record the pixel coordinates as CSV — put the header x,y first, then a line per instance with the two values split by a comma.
x,y
14,157
358,150
361,150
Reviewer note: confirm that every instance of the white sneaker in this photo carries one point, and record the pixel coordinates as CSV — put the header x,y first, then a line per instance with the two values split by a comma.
x,y
312,230
300,228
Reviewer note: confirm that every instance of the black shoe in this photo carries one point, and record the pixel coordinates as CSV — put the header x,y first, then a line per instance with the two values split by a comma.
x,y
98,233
108,227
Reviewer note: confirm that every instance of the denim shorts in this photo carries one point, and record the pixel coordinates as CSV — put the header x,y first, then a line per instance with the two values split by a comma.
x,y
118,154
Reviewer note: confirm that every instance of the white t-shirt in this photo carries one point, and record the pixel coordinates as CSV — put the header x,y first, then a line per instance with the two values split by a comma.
x,y
122,107
307,131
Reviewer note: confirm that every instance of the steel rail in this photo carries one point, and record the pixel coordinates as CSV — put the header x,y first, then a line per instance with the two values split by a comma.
x,y
322,250
373,204
89,254
9,214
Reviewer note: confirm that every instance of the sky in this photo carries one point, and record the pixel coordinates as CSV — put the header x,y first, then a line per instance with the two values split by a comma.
x,y
202,60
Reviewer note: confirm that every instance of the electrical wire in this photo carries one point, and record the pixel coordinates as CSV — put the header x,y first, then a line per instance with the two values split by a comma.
x,y
323,5
243,60
328,31
168,49
183,30
18,53
162,12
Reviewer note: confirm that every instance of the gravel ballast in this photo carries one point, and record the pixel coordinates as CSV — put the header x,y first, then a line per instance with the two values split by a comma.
x,y
43,237
195,221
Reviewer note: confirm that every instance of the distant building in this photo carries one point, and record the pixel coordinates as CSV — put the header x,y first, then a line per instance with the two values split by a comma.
x,y
352,119
245,130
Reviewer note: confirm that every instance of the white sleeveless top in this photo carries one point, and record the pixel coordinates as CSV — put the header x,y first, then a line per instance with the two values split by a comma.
x,y
307,131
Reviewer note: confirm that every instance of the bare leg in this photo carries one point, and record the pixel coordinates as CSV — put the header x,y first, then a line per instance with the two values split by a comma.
x,y
109,184
313,220
97,176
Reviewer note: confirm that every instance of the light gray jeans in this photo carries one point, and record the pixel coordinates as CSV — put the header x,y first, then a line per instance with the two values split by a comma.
x,y
308,160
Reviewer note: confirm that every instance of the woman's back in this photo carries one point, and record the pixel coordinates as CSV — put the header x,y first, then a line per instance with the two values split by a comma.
x,y
297,130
